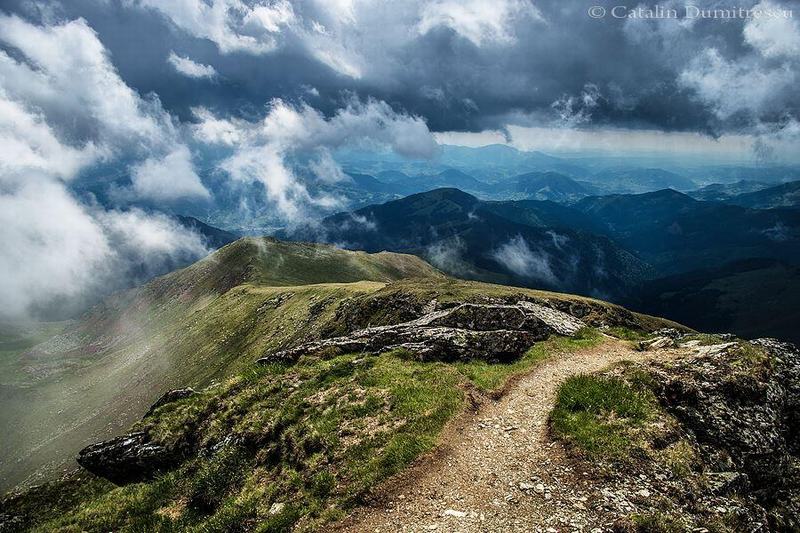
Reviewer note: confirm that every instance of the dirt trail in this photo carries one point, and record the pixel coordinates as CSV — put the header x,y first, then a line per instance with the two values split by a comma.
x,y
497,469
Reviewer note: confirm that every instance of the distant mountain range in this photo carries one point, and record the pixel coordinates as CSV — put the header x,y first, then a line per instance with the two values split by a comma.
x,y
675,233
527,243
718,192
214,237
494,172
786,195
755,194
638,180
618,246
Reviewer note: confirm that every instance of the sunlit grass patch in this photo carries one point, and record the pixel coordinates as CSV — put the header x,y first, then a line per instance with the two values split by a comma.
x,y
597,413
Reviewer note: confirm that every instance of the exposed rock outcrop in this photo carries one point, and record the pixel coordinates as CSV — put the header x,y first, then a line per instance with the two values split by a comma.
x,y
127,459
743,406
493,332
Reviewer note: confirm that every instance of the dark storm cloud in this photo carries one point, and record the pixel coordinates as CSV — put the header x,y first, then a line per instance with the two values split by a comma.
x,y
644,73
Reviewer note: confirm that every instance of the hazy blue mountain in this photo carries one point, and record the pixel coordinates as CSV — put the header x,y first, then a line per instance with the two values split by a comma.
x,y
530,243
391,176
496,161
676,233
544,186
214,237
733,173
450,177
638,180
786,195
545,213
718,192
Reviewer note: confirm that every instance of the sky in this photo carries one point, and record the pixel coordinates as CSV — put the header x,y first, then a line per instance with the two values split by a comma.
x,y
170,92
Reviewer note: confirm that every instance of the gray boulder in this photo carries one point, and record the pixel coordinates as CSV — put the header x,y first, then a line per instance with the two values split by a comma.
x,y
127,459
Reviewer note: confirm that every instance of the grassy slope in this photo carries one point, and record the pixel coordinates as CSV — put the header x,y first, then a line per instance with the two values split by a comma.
x,y
186,328
615,418
313,437
740,298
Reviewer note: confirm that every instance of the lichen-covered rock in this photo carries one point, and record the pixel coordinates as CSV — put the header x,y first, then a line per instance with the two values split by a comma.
x,y
127,459
492,332
743,406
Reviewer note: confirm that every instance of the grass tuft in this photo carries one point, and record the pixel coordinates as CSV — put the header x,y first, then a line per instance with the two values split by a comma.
x,y
597,413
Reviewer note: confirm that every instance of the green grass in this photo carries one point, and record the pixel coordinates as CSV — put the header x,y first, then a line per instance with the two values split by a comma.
x,y
315,436
658,522
706,339
322,432
488,376
315,446
17,338
598,413
628,334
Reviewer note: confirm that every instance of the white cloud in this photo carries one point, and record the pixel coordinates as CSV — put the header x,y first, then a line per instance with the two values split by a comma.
x,y
232,25
67,107
27,142
67,75
212,130
773,37
326,169
480,21
59,255
575,110
52,249
190,68
518,257
730,87
63,108
168,178
351,37
260,149
448,255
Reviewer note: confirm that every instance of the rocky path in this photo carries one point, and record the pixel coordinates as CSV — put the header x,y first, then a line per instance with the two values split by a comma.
x,y
497,469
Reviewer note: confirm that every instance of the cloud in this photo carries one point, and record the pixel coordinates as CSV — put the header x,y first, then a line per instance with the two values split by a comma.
x,y
479,21
773,37
448,255
575,110
28,143
69,108
168,178
232,25
262,150
463,66
60,255
190,68
63,109
518,257
66,74
731,87
326,169
52,248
